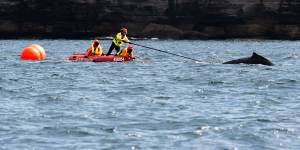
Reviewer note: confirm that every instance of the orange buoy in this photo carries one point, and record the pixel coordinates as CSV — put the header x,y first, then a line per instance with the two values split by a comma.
x,y
30,53
40,49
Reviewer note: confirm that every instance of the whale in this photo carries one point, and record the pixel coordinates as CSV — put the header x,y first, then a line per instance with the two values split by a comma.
x,y
254,59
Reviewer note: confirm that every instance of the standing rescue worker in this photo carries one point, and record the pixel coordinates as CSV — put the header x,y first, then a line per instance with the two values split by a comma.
x,y
126,52
94,49
117,42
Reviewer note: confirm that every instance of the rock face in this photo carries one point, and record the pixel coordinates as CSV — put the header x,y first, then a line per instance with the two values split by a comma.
x,y
191,19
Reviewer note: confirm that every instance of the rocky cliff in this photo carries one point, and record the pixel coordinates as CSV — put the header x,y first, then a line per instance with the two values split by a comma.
x,y
194,19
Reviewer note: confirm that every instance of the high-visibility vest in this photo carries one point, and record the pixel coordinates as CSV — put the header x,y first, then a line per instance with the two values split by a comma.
x,y
94,51
118,40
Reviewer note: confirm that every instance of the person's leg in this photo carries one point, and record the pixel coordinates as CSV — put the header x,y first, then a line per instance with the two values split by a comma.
x,y
117,48
110,49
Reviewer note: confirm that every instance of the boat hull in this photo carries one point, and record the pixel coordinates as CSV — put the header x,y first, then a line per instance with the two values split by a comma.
x,y
110,58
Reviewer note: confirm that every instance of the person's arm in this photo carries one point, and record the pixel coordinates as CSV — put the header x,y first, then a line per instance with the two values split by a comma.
x,y
88,51
132,56
126,40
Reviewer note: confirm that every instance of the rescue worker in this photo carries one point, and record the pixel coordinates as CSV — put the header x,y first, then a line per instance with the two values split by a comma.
x,y
94,49
126,52
117,42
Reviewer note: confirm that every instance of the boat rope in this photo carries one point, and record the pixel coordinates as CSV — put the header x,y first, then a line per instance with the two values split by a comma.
x,y
165,52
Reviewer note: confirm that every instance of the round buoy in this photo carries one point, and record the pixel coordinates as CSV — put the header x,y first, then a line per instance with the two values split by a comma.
x,y
40,49
30,53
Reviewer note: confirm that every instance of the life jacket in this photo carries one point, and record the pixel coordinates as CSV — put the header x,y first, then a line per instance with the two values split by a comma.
x,y
118,40
94,51
124,53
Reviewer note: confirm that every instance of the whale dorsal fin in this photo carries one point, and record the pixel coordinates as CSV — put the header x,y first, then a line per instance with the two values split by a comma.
x,y
254,54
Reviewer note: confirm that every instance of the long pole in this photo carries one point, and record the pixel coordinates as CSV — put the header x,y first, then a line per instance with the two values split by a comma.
x,y
165,52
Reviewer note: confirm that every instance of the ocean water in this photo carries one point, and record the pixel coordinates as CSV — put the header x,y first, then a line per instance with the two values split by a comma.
x,y
158,101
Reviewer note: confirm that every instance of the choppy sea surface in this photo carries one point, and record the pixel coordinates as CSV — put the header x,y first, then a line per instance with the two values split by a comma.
x,y
158,101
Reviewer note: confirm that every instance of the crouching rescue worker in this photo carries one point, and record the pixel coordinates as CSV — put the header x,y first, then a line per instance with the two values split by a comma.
x,y
126,52
95,49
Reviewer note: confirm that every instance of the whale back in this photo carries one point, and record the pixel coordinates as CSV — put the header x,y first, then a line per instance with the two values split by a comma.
x,y
258,59
254,59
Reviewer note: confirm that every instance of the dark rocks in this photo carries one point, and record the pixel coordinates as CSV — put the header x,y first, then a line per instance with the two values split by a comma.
x,y
157,30
7,26
179,19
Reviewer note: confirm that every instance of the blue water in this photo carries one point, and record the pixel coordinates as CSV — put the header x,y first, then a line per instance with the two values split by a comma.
x,y
156,102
